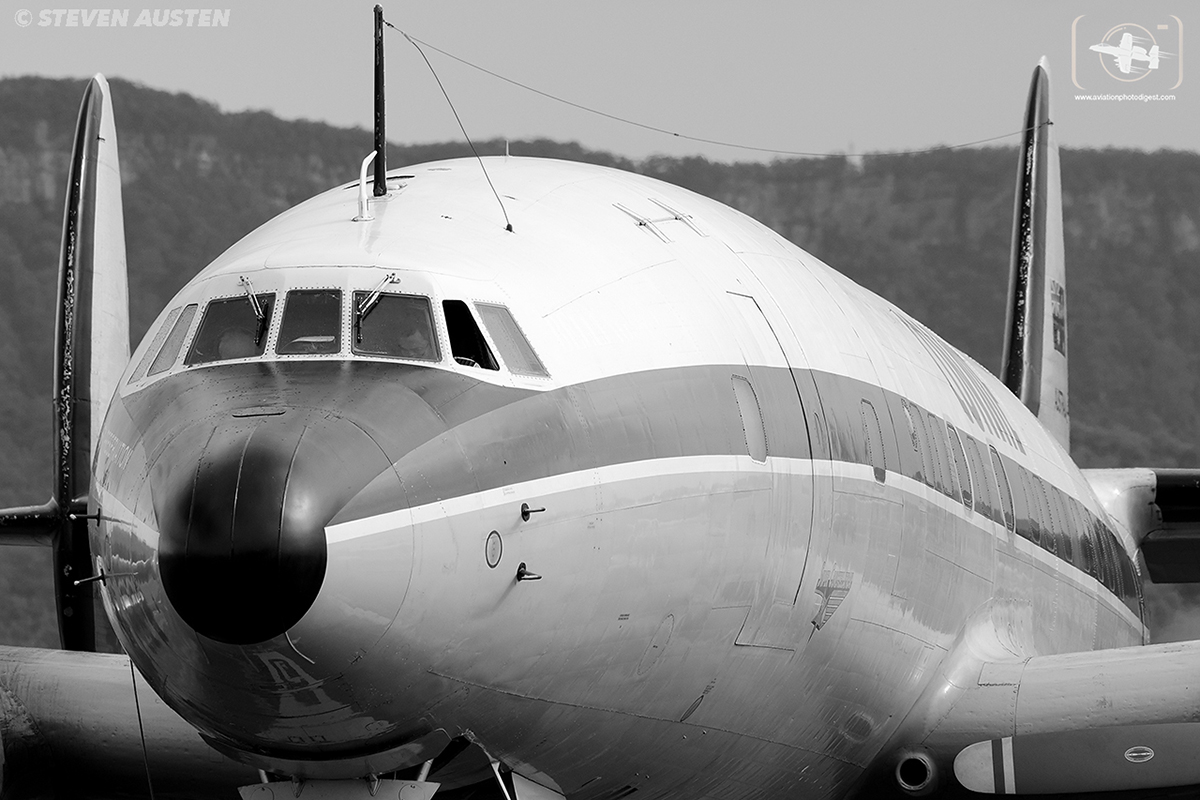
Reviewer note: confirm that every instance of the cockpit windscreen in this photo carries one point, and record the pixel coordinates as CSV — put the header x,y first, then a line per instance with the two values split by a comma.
x,y
232,328
398,325
312,322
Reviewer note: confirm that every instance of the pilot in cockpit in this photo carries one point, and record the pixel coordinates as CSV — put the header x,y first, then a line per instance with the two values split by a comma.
x,y
412,337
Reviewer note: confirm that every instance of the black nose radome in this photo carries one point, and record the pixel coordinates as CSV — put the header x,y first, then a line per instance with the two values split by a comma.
x,y
242,551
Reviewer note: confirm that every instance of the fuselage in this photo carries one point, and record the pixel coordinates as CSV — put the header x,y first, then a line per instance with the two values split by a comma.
x,y
760,502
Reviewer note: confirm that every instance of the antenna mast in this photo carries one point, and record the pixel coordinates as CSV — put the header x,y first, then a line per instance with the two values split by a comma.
x,y
380,137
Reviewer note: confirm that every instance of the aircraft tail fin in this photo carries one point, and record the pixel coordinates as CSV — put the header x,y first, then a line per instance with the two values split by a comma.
x,y
1153,54
1035,345
91,347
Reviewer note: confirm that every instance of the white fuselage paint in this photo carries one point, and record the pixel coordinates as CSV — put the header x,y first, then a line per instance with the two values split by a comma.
x,y
705,624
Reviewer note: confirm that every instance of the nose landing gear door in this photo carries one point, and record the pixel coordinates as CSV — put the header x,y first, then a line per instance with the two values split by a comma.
x,y
780,527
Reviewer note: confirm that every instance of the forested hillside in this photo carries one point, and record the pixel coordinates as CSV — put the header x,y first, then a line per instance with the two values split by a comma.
x,y
929,232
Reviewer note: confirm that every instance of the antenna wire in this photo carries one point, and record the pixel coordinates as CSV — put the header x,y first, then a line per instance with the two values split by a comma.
x,y
507,223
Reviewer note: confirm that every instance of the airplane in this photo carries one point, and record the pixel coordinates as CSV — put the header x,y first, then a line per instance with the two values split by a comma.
x,y
1126,53
588,488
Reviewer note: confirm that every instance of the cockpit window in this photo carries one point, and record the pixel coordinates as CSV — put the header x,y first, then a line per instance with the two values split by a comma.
x,y
170,349
232,328
514,347
394,325
466,342
312,322
155,346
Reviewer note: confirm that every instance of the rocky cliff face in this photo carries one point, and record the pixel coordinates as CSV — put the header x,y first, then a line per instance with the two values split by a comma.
x,y
930,232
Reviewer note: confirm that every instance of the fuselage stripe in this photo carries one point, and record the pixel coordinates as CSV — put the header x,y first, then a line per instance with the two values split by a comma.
x,y
502,436
687,469
692,411
998,767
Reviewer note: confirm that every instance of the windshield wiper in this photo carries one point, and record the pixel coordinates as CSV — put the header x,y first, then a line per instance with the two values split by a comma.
x,y
256,306
368,304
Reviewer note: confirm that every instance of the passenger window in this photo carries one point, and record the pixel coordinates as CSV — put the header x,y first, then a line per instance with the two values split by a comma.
x,y
1129,580
399,325
1075,512
1112,569
1006,497
874,433
514,346
1050,523
155,346
982,481
960,466
1104,565
1062,511
1114,549
1033,509
1087,549
312,322
941,457
467,344
232,328
933,469
991,485
170,349
918,442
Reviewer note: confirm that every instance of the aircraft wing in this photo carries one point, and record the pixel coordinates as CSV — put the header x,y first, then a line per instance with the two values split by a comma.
x,y
78,724
1127,41
86,725
1106,720
1083,722
1124,61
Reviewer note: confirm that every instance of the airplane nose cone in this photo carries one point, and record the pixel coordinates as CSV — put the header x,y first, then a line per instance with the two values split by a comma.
x,y
242,551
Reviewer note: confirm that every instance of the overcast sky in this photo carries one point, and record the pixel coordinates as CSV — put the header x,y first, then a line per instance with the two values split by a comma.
x,y
788,75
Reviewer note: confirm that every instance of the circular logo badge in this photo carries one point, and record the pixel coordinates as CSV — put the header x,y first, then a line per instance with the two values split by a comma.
x,y
1139,755
493,549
